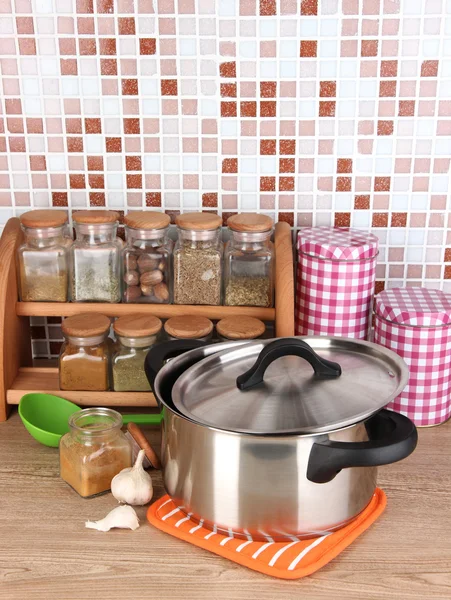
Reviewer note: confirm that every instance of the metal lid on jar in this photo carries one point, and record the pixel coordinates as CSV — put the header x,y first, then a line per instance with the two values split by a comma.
x,y
86,325
95,217
37,219
200,221
137,326
147,219
188,327
240,327
265,388
250,222
337,243
416,306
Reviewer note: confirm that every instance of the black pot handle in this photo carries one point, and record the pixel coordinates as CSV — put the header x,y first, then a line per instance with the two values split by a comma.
x,y
324,369
392,438
160,353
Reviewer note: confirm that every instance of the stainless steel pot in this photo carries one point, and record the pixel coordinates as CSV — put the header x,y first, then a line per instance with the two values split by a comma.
x,y
268,484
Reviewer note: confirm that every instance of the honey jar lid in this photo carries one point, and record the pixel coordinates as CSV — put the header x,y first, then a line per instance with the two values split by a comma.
x,y
137,326
92,217
147,219
250,222
240,328
86,325
35,219
188,327
200,221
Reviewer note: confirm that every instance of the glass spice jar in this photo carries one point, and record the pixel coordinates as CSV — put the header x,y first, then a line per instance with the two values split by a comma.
x,y
43,257
84,357
95,257
135,334
189,327
94,451
249,261
146,258
240,328
198,259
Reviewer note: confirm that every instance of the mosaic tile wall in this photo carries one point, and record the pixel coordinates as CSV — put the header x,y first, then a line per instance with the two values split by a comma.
x,y
313,111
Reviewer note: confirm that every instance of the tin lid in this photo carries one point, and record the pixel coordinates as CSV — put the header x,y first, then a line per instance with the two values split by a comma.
x,y
337,243
414,306
264,388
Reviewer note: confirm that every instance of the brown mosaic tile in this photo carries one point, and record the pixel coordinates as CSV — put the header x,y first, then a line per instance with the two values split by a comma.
x,y
27,46
287,147
248,109
73,126
93,126
327,108
15,125
399,219
385,128
406,108
169,87
286,184
228,109
16,144
328,89
132,126
147,46
95,163
87,46
228,90
286,165
134,181
37,163
309,48
429,68
107,46
389,68
287,217
369,47
108,66
77,182
268,8
85,6
309,7
74,144
153,199
13,106
59,199
68,66
387,89
126,26
96,181
268,147
24,25
342,219
113,144
268,89
97,199
382,184
343,184
130,87
447,272
230,165
267,184
227,69
210,200
133,163
362,202
105,6
267,109
344,165
447,257
35,125
380,220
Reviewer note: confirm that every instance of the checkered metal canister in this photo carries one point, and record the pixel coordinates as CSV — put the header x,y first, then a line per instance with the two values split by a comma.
x,y
416,324
335,281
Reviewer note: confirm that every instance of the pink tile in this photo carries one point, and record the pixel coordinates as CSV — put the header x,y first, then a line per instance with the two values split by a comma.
x,y
438,202
288,7
58,181
370,26
5,197
396,271
441,165
65,25
391,7
11,87
229,147
366,128
368,68
305,220
21,6
349,27
390,27
306,165
229,183
72,106
436,220
287,128
350,7
268,49
417,220
7,46
152,145
420,184
288,89
168,66
390,48
249,128
166,26
8,66
209,145
189,107
267,128
362,184
230,201
426,108
396,254
387,108
371,7
428,89
414,271
325,184
151,125
325,147
286,201
402,165
407,89
186,7
54,125
166,7
444,108
267,201
348,48
190,145
169,107
132,144
209,126
191,182
227,48
307,128
39,181
146,7
129,106
106,26
153,182
22,198
55,144
444,127
110,87
248,89
168,46
4,184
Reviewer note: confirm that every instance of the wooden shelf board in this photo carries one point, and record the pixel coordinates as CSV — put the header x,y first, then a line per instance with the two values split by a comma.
x,y
45,380
67,309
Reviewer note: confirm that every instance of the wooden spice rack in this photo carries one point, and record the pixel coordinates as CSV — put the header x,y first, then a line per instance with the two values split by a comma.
x,y
19,377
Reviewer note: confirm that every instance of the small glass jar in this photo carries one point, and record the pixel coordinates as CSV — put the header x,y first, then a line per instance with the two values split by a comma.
x,y
189,327
95,257
43,257
135,336
84,356
94,451
146,258
239,328
198,259
249,261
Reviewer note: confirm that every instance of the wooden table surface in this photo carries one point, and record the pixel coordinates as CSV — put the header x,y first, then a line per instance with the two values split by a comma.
x,y
47,554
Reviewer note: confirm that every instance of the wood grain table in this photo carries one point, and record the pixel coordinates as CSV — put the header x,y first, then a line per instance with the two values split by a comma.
x,y
47,554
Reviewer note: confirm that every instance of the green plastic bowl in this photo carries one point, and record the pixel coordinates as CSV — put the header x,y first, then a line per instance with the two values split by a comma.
x,y
46,417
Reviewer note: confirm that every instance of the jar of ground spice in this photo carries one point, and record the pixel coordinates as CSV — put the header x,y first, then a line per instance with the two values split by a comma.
x,y
147,258
84,357
240,328
95,257
189,327
249,261
94,451
43,257
198,259
135,335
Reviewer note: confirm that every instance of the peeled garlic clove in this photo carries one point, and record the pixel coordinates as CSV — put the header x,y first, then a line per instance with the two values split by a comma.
x,y
121,517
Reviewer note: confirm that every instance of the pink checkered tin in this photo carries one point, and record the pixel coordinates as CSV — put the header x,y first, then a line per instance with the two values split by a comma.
x,y
416,323
335,281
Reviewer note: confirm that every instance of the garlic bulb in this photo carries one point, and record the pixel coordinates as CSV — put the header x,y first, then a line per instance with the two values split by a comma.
x,y
122,517
133,485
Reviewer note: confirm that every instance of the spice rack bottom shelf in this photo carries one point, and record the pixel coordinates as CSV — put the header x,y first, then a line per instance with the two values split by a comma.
x,y
45,380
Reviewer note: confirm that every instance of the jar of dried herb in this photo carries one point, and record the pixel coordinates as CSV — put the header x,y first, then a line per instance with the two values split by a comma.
x,y
146,258
95,257
94,451
240,327
249,261
189,327
84,357
43,257
198,259
135,334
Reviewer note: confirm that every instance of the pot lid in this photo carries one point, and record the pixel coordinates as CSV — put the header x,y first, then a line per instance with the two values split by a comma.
x,y
246,390
414,306
337,243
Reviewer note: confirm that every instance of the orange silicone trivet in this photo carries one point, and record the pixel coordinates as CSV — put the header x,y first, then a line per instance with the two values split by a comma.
x,y
288,560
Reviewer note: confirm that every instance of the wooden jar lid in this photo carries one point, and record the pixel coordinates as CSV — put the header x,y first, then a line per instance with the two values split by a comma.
x,y
240,328
147,219
250,222
137,326
188,327
92,217
86,325
202,221
44,218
